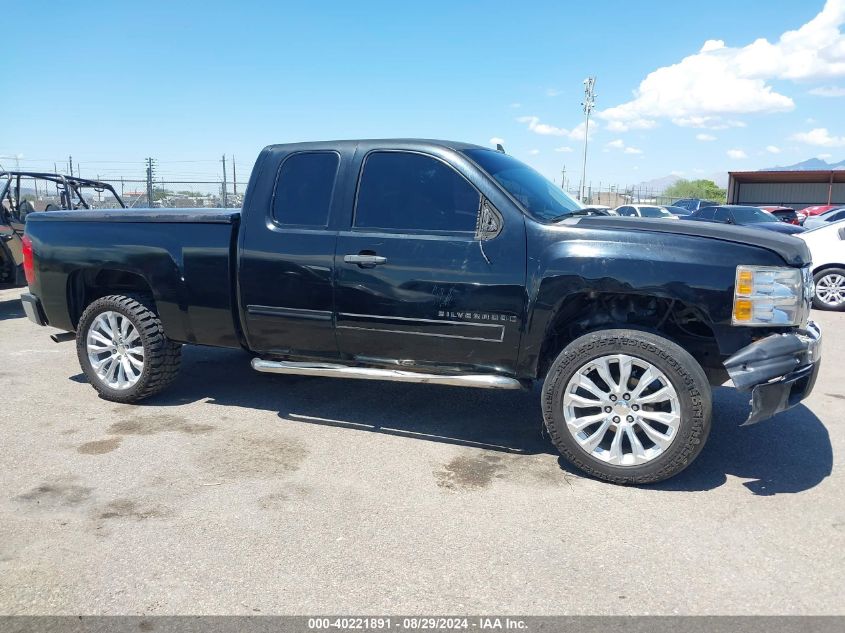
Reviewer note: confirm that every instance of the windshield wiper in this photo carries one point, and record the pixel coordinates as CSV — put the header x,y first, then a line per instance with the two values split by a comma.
x,y
577,212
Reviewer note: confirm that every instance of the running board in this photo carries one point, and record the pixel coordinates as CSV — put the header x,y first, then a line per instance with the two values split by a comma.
x,y
331,370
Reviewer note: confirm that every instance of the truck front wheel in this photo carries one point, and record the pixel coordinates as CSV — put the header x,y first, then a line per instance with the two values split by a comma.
x,y
627,406
123,351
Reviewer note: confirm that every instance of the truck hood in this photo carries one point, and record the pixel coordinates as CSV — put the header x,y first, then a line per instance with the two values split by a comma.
x,y
793,251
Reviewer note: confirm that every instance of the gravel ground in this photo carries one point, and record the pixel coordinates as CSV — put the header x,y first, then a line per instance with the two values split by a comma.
x,y
242,493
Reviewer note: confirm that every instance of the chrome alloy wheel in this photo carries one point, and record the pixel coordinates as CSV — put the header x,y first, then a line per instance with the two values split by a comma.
x,y
621,410
115,350
831,289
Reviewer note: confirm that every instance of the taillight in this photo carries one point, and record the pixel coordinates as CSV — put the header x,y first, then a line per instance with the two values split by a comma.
x,y
28,260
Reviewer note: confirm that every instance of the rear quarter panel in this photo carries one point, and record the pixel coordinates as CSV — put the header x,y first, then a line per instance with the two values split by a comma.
x,y
186,266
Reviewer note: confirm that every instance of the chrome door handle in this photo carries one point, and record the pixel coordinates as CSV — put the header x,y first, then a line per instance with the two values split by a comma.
x,y
371,260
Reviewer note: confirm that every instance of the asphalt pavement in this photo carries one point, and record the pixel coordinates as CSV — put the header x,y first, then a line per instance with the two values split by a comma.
x,y
243,493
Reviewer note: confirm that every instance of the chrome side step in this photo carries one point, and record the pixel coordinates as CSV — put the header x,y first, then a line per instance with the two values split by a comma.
x,y
331,370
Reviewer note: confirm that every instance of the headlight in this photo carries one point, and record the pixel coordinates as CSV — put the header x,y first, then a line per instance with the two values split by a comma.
x,y
766,295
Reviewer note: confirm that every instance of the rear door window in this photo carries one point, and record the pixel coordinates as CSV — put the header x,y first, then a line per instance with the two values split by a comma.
x,y
304,189
411,192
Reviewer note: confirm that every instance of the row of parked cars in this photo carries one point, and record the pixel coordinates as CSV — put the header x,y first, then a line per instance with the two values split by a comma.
x,y
822,227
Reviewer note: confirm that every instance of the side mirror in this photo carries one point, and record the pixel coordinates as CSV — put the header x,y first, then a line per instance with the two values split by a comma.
x,y
842,233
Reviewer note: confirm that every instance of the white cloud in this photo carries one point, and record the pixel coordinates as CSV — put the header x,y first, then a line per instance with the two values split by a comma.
x,y
707,122
516,105
534,152
721,81
576,133
736,154
824,156
820,137
497,141
553,92
564,148
828,91
773,149
705,137
620,144
635,124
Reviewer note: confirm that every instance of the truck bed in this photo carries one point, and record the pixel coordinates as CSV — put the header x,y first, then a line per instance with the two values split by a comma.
x,y
199,216
183,258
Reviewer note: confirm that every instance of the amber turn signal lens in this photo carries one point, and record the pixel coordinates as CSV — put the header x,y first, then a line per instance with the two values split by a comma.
x,y
745,282
743,309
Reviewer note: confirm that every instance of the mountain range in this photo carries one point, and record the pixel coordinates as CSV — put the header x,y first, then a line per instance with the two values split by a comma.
x,y
721,178
811,164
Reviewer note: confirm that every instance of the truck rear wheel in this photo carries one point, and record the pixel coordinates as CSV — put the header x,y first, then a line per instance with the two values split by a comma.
x,y
627,406
123,351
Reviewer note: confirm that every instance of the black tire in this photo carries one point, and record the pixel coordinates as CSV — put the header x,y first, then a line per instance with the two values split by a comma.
x,y
818,303
682,371
162,356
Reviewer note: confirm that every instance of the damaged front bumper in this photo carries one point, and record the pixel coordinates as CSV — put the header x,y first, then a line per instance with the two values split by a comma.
x,y
779,370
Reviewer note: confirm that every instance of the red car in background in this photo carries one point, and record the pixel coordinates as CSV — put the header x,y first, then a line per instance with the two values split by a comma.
x,y
819,209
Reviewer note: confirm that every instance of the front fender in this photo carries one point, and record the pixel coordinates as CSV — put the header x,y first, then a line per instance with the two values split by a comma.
x,y
572,261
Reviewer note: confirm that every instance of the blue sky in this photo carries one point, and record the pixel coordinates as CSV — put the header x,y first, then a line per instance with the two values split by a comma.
x,y
114,82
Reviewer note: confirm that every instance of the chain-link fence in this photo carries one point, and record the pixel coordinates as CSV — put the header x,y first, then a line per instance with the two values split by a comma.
x,y
615,195
214,193
45,195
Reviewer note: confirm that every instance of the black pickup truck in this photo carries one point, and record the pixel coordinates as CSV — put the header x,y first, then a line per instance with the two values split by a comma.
x,y
444,263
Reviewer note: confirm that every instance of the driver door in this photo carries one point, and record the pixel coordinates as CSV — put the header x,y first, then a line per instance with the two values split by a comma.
x,y
415,284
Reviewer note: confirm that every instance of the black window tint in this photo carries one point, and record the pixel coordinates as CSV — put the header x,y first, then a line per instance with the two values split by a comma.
x,y
304,188
706,213
721,215
413,192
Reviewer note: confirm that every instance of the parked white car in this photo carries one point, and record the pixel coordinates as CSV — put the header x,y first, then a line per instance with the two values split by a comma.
x,y
827,247
644,211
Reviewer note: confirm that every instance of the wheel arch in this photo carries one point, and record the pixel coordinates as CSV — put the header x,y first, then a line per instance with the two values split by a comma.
x,y
85,286
824,267
670,318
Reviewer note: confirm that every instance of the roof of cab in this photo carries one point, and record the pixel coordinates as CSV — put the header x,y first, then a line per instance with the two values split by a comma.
x,y
386,143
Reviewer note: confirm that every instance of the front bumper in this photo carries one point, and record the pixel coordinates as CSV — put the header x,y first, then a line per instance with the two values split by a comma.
x,y
779,370
32,308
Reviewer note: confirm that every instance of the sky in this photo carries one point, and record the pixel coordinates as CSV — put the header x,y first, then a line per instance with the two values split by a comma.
x,y
683,88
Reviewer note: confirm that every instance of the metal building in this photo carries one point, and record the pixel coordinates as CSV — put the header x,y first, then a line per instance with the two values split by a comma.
x,y
796,189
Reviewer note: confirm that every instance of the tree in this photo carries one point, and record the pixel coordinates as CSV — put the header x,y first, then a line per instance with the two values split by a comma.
x,y
704,189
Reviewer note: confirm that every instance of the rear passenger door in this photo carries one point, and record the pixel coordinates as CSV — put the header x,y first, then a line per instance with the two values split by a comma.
x,y
286,258
415,284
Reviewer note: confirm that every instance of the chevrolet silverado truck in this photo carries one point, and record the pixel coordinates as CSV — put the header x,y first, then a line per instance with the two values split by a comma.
x,y
442,263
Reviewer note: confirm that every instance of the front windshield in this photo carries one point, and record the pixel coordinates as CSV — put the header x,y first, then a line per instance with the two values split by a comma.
x,y
541,198
752,215
654,212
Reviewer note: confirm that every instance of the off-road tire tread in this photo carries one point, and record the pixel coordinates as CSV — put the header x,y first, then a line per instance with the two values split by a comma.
x,y
640,343
162,357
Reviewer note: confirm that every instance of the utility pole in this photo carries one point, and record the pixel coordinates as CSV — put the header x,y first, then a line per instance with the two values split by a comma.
x,y
588,104
70,163
225,187
563,178
234,178
150,173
